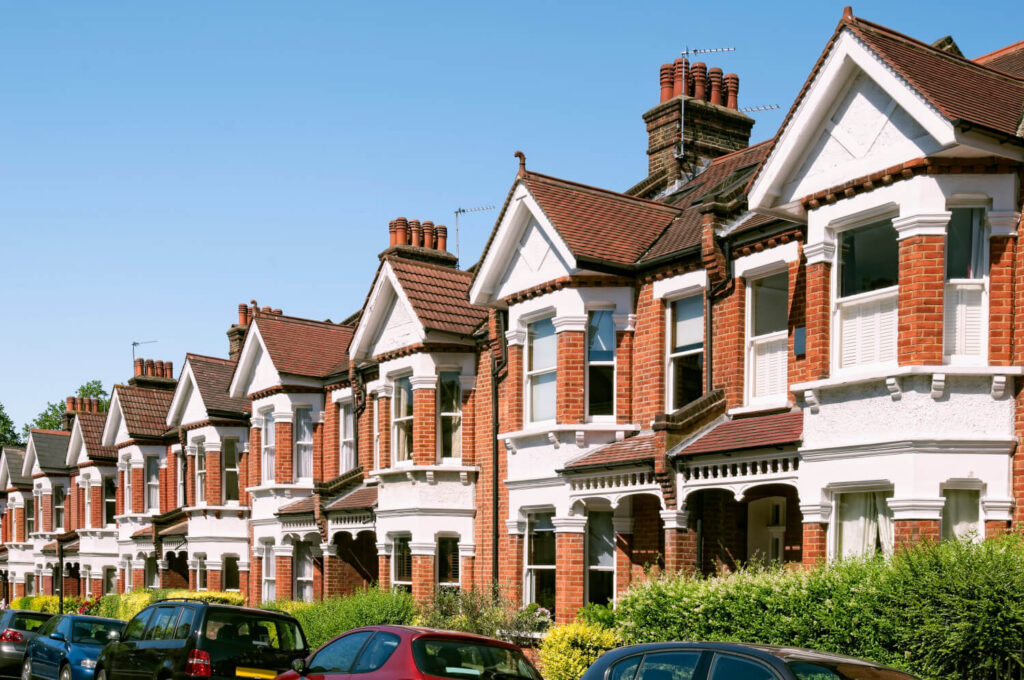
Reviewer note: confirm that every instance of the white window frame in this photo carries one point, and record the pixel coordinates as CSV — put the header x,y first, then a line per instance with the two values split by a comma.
x,y
86,505
375,426
397,420
441,415
268,588
128,488
152,486
201,472
109,584
202,573
232,443
108,501
58,508
151,579
405,584
529,583
670,356
302,572
588,362
982,282
751,342
267,444
181,460
833,548
347,458
963,485
591,568
128,577
457,583
224,573
529,376
302,450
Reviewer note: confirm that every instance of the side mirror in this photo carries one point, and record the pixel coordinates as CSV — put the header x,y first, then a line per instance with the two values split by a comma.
x,y
299,666
114,636
57,636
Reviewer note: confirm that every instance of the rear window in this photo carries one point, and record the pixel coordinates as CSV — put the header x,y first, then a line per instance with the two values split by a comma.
x,y
816,670
93,631
463,659
28,622
245,629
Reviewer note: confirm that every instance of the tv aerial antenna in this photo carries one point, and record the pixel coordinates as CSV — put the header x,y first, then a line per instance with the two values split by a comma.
x,y
463,211
136,343
686,53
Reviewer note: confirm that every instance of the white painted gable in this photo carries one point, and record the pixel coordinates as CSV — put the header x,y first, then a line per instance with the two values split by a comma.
x,y
535,261
255,370
399,328
866,132
187,405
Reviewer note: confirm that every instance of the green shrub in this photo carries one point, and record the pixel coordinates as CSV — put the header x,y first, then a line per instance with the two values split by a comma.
x,y
322,621
484,612
598,614
47,603
567,651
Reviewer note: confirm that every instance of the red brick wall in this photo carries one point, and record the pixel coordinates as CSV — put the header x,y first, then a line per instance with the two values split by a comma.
x,y
96,505
356,564
424,431
728,327
624,377
511,566
568,575
817,315
284,575
365,446
723,536
138,490
169,482
252,473
922,277
318,578
327,459
908,532
283,467
510,402
96,586
648,357
569,405
797,366
19,589
1018,457
481,444
255,581
623,562
46,512
423,577
138,579
213,477
995,527
469,427
384,430
120,581
648,544
815,543
19,524
214,579
384,569
318,448
1002,254
680,551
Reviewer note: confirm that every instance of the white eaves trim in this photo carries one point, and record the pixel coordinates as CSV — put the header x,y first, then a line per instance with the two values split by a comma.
x,y
522,206
253,349
113,421
385,289
766,260
185,390
681,285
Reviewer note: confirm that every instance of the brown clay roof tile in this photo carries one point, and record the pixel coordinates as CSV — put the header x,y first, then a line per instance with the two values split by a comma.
x,y
302,506
1009,59
638,449
361,498
144,409
92,432
777,429
213,376
439,295
304,347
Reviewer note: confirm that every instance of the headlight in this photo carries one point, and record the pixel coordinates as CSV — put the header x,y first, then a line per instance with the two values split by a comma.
x,y
88,663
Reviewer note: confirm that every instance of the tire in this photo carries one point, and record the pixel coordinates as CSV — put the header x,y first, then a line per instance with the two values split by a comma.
x,y
65,673
26,670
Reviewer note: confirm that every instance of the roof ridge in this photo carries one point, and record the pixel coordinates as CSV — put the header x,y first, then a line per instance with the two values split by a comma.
x,y
432,265
208,357
590,187
299,319
737,152
63,433
1013,47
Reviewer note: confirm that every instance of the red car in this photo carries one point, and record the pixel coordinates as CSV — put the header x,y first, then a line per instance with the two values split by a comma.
x,y
408,653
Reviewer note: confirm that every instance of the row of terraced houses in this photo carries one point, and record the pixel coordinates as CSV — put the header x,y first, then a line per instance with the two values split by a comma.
x,y
799,350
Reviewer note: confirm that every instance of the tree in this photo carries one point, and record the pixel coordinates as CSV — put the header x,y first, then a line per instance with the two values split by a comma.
x,y
8,435
52,417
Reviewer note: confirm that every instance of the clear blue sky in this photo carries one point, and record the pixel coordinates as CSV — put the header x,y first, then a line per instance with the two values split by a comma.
x,y
161,162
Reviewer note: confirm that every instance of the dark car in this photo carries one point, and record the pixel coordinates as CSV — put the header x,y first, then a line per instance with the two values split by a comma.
x,y
66,648
17,628
726,661
408,653
174,639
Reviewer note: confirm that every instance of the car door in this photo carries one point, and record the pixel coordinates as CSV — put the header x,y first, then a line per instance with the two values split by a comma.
x,y
123,660
154,647
725,666
46,649
334,660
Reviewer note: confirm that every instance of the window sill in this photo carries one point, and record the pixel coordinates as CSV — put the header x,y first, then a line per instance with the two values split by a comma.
x,y
216,510
272,489
552,431
429,472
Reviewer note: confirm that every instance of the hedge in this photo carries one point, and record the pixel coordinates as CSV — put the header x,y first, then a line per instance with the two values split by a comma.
x,y
324,620
47,603
123,606
567,651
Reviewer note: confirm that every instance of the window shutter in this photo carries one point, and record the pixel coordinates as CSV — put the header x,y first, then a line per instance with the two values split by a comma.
x,y
887,313
971,314
963,320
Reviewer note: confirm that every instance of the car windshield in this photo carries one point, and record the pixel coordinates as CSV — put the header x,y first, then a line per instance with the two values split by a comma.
x,y
28,622
248,629
820,670
464,659
93,631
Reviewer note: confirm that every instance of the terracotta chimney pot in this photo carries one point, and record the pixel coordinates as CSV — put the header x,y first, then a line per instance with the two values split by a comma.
x,y
138,366
69,404
149,367
168,369
441,233
732,89
402,232
677,77
392,234
428,234
665,79
416,233
700,79
158,368
243,312
715,77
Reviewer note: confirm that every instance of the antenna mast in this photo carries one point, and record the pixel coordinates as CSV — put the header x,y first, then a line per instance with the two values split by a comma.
x,y
690,172
136,343
462,211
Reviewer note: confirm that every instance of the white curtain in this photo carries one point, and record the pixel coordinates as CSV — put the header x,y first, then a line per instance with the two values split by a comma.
x,y
884,515
865,524
960,516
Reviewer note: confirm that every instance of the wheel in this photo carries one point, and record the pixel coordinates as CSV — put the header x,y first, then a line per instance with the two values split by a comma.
x,y
65,673
26,670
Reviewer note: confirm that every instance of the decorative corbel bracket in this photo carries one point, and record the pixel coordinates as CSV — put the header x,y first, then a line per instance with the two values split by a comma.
x,y
411,477
811,397
553,438
430,478
998,386
938,385
895,391
510,446
581,439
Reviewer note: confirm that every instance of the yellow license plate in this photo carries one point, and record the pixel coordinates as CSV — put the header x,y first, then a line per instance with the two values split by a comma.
x,y
255,673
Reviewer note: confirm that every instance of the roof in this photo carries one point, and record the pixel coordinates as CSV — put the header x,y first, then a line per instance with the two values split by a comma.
x,y
359,499
145,532
685,232
303,506
179,529
439,295
599,224
15,456
92,433
144,409
303,346
213,377
51,448
777,429
1009,59
641,448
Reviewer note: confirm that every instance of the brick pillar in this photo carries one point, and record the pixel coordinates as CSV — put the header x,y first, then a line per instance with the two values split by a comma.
x,y
624,375
120,581
96,586
511,404
255,581
169,482
328,464
284,468
19,589
569,404
18,517
47,588
243,583
46,512
193,578
318,576
569,567
995,527
815,543
424,409
818,311
910,532
383,568
72,586
512,567
1002,255
384,430
252,471
138,490
623,555
283,578
680,543
922,254
214,576
364,425
467,565
120,491
423,574
332,570
213,474
138,579
96,505
796,365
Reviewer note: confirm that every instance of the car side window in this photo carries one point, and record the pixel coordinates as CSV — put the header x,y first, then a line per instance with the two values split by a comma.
x,y
162,625
625,669
137,625
376,653
64,626
185,623
728,667
338,656
669,666
49,626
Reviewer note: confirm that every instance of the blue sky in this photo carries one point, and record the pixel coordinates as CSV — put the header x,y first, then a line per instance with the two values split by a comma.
x,y
161,162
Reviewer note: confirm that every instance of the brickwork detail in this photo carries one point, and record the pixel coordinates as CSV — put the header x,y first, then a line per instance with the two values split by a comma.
x,y
815,543
568,575
570,407
908,532
922,279
818,313
423,577
424,432
283,465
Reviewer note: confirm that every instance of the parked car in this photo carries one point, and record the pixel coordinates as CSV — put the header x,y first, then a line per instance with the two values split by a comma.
x,y
408,653
17,628
726,661
66,648
178,638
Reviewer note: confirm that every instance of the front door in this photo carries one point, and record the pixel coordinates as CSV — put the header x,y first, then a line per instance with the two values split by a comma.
x,y
766,530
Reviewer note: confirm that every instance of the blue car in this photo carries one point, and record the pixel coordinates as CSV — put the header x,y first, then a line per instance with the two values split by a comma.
x,y
66,648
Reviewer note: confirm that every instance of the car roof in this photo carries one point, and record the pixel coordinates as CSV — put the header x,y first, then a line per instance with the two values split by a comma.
x,y
220,605
765,652
28,611
413,632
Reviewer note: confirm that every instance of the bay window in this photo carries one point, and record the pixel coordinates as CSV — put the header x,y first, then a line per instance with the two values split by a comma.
x,y
401,420
600,558
200,472
866,312
303,586
267,445
865,525
541,370
58,508
450,415
152,484
961,514
685,351
600,364
540,560
767,337
230,579
303,446
109,500
401,564
347,437
448,562
965,290
229,469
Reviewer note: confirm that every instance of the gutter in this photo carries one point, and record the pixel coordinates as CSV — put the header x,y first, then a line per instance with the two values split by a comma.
x,y
497,366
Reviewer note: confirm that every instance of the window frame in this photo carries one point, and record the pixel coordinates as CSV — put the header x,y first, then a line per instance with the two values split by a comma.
x,y
151,500
268,581
671,355
302,450
456,558
151,580
232,559
530,375
112,582
399,421
396,582
58,508
302,578
751,398
453,415
982,280
181,492
834,538
268,455
529,569
588,362
232,444
86,505
961,486
29,512
128,488
202,573
589,568
109,502
200,472
348,458
375,429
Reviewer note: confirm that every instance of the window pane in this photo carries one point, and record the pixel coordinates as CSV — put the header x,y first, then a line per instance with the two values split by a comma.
x,y
338,656
403,560
771,312
687,323
448,560
687,379
544,588
269,432
674,665
600,585
543,345
451,397
542,397
964,244
403,440
109,500
732,667
601,390
601,336
185,622
600,540
231,573
303,425
542,540
376,653
451,436
960,515
869,259
403,398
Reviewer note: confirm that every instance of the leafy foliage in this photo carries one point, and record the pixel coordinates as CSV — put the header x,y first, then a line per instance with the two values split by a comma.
x,y
125,606
322,621
485,612
567,651
8,435
52,417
